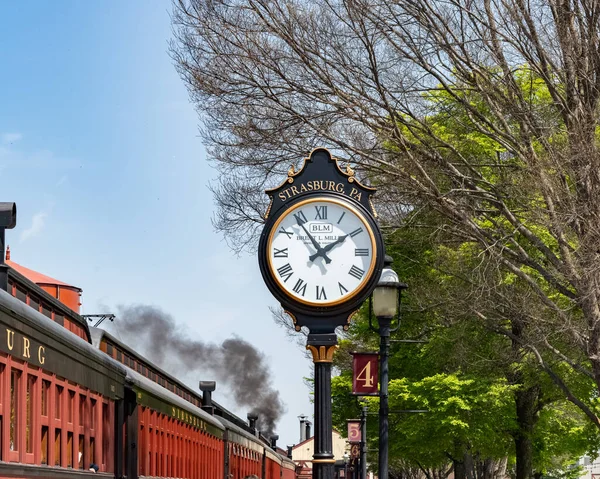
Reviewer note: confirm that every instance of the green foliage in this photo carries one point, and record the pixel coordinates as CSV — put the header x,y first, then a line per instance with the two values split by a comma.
x,y
464,414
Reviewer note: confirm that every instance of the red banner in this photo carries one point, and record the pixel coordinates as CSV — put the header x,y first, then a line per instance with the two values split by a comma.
x,y
353,431
365,376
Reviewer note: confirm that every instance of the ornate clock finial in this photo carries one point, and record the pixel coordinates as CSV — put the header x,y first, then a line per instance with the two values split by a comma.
x,y
349,171
291,171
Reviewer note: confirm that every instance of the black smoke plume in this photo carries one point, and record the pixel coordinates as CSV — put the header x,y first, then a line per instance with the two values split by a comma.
x,y
235,362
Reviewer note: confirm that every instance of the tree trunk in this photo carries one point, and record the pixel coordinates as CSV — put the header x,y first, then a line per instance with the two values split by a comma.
x,y
488,469
469,464
527,407
459,469
500,471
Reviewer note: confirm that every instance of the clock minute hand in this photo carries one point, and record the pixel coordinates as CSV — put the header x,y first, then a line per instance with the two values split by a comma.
x,y
320,251
330,246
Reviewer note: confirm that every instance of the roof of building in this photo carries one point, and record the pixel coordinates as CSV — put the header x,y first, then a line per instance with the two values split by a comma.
x,y
312,438
37,278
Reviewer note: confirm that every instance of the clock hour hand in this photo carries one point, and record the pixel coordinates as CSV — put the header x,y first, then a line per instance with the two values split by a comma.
x,y
330,246
317,246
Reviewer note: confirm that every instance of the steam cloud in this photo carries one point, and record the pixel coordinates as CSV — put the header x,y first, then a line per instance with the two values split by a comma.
x,y
235,362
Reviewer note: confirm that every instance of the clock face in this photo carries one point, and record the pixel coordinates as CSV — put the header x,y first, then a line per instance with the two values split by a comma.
x,y
321,252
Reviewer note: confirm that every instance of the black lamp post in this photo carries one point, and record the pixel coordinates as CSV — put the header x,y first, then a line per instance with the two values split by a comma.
x,y
385,305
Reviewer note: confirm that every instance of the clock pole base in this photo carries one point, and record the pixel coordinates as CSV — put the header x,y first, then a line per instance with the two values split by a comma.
x,y
322,347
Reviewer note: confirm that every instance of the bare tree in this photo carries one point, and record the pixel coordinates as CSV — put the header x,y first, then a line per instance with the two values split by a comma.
x,y
371,79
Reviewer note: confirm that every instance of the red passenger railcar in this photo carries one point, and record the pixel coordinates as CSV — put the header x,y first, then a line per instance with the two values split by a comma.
x,y
272,465
57,397
174,438
244,452
288,469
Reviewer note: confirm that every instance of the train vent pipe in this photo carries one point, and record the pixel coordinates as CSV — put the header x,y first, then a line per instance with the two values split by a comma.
x,y
252,418
302,418
308,424
207,388
274,441
289,451
8,220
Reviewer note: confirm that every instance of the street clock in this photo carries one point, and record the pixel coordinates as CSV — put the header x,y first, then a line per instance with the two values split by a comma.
x,y
321,251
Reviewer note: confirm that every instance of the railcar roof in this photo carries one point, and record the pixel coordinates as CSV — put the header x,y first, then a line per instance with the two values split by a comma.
x,y
235,428
172,398
44,324
96,335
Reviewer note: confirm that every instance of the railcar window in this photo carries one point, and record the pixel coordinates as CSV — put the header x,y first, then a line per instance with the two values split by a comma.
x,y
81,451
93,413
70,401
59,319
34,302
14,409
46,311
106,432
44,444
29,419
58,399
82,418
109,349
57,449
21,295
69,449
92,449
45,392
119,355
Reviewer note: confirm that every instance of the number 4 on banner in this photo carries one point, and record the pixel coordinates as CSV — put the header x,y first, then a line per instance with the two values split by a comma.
x,y
365,374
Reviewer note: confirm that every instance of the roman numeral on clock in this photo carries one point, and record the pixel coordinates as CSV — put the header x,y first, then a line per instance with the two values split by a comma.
x,y
300,217
321,292
343,213
343,289
361,252
356,272
355,232
281,253
285,272
321,212
300,287
288,233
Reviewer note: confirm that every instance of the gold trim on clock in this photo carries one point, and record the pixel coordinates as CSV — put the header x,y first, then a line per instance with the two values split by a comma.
x,y
365,279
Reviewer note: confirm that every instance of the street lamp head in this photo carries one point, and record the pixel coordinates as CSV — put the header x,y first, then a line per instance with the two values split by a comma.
x,y
386,295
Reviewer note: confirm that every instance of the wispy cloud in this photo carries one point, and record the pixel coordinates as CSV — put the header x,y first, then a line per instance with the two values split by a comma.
x,y
38,222
62,181
10,138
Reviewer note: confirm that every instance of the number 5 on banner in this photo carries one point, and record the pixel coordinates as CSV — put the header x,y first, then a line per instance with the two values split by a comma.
x,y
353,430
365,374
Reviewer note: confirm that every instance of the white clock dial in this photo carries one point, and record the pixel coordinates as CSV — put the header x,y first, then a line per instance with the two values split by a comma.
x,y
321,252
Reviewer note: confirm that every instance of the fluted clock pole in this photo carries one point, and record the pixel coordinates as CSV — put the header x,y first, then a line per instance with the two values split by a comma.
x,y
322,347
321,255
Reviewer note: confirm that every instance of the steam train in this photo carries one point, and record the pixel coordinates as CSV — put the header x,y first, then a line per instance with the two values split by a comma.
x,y
75,401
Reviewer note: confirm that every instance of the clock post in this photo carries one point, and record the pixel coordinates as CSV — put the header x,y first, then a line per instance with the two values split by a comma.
x,y
321,254
322,347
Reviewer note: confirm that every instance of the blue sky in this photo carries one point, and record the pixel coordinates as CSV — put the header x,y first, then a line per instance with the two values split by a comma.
x,y
99,148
